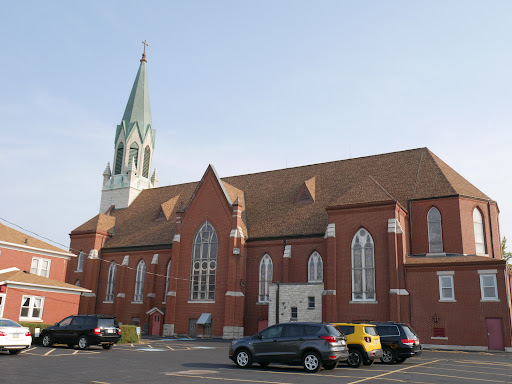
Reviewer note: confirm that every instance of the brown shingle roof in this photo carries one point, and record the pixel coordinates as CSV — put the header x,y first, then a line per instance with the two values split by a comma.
x,y
11,235
100,223
270,197
30,278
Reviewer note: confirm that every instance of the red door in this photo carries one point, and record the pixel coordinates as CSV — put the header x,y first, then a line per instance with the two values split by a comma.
x,y
495,334
156,321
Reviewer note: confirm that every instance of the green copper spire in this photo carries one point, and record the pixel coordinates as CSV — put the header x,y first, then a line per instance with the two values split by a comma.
x,y
137,115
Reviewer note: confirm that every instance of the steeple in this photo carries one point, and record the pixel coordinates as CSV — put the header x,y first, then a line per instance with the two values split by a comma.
x,y
133,147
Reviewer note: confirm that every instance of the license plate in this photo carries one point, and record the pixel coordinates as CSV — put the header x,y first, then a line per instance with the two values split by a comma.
x,y
15,335
110,331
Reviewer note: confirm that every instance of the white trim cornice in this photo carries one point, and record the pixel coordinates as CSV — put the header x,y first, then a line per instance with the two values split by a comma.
x,y
39,251
44,288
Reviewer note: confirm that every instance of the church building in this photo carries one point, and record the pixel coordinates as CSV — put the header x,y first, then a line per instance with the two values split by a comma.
x,y
393,237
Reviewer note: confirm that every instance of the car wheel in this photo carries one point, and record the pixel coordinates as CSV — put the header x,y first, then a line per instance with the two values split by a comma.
x,y
107,346
330,365
83,342
263,363
354,358
311,362
47,340
388,356
14,351
243,358
368,362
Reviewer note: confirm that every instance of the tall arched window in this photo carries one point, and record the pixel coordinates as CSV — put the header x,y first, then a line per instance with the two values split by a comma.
x,y
147,156
204,264
315,268
119,159
478,225
363,267
167,280
139,282
111,282
435,231
80,262
266,272
134,154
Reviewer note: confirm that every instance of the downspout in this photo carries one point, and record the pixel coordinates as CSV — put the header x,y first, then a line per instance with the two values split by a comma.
x,y
490,226
98,281
277,303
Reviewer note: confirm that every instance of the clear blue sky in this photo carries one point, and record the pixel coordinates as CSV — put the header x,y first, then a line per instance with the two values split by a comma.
x,y
248,86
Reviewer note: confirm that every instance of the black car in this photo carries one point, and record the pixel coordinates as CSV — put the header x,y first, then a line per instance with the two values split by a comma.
x,y
83,330
398,340
312,345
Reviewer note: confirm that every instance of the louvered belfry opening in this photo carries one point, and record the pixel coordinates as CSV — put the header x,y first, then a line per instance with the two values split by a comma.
x,y
134,153
119,159
147,155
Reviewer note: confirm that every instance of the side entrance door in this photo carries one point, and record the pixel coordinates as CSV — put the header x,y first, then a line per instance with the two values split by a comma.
x,y
192,327
495,334
156,322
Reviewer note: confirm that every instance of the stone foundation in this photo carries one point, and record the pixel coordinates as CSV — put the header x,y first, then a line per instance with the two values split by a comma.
x,y
168,330
230,332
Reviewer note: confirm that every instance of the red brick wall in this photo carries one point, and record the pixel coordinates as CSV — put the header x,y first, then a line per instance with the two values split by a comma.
x,y
56,305
23,260
463,320
450,222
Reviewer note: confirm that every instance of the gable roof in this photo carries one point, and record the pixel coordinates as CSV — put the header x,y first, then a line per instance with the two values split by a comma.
x,y
14,275
270,203
10,235
99,223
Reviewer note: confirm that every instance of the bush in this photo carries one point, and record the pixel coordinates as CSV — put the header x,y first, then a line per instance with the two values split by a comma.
x,y
129,334
32,327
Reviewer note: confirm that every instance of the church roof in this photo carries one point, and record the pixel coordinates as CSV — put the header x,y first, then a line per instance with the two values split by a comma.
x,y
270,198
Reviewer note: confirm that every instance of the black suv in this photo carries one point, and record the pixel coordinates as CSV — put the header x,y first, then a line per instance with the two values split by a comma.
x,y
312,345
84,330
398,341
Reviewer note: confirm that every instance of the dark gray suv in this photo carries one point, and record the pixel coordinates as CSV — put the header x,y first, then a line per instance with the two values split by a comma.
x,y
313,345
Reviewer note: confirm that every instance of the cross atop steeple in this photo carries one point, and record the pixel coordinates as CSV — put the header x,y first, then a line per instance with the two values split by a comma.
x,y
144,54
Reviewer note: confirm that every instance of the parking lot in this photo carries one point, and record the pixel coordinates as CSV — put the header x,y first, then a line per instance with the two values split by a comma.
x,y
193,361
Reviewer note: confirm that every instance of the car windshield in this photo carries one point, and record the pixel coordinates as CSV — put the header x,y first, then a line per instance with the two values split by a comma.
x,y
409,332
8,323
371,331
107,322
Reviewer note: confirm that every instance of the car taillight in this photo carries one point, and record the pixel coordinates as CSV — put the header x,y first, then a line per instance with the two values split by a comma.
x,y
329,339
97,331
407,341
368,339
28,333
119,331
3,333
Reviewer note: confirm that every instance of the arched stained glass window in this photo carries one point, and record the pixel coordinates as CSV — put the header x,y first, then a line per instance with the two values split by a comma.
x,y
111,282
80,262
204,264
119,159
167,280
363,267
435,231
134,154
139,282
147,157
478,225
315,268
266,272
